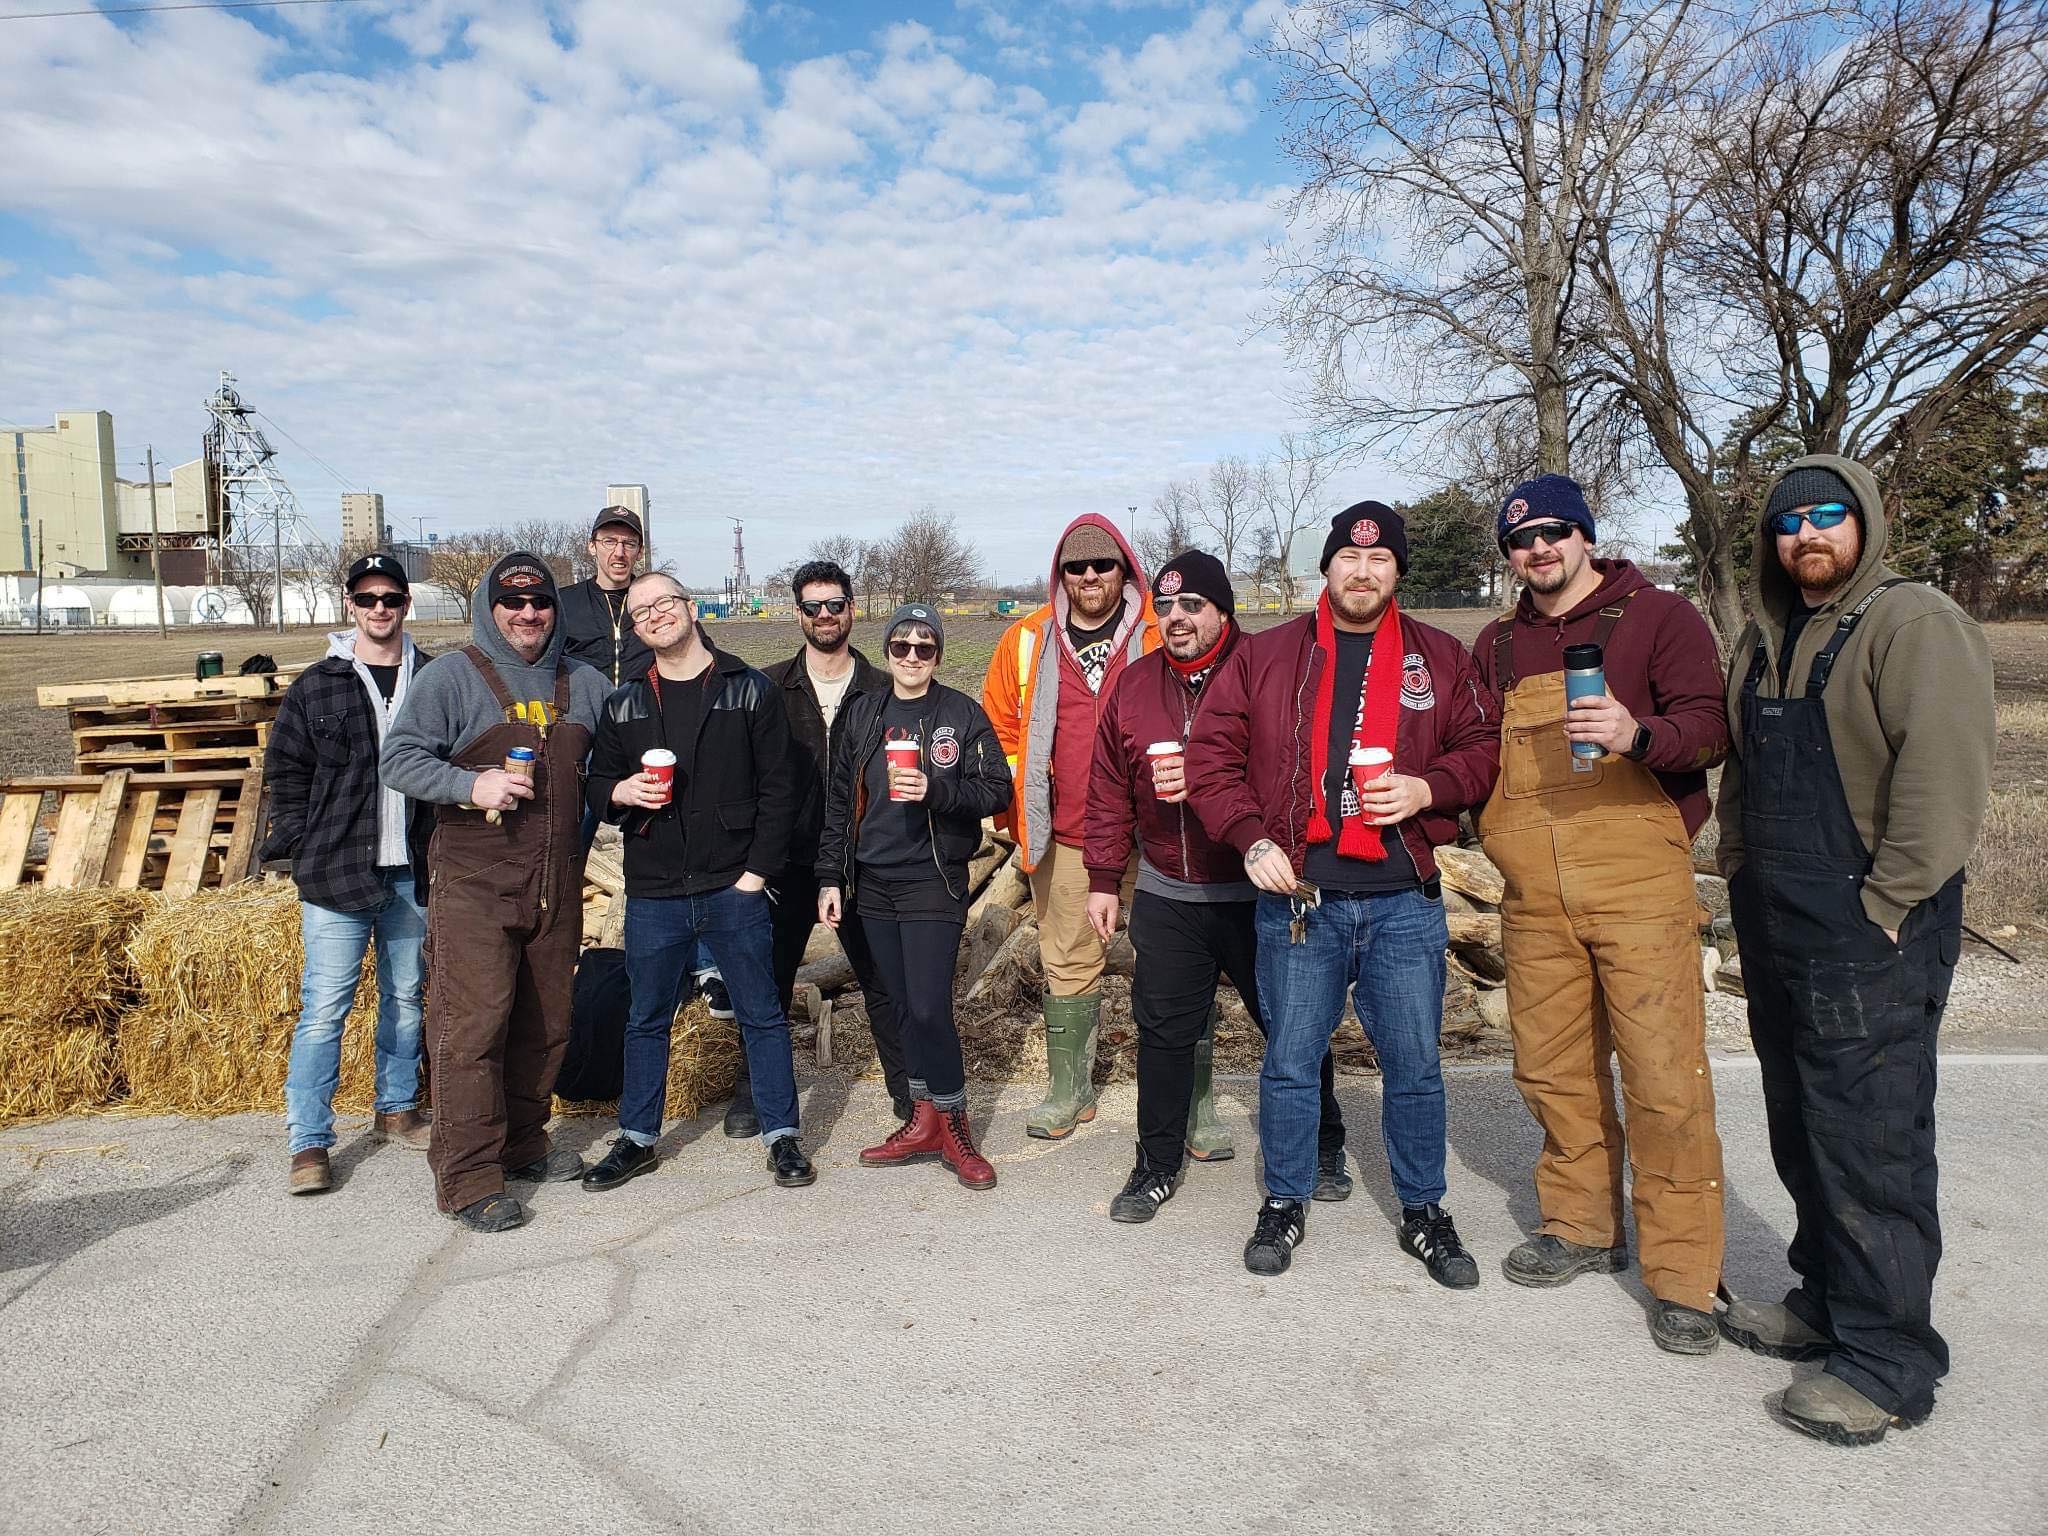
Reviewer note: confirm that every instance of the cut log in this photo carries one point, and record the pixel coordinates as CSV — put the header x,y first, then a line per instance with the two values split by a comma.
x,y
823,944
985,939
1122,959
983,865
1014,974
834,974
1493,1009
1007,887
605,868
1471,873
1729,978
1474,930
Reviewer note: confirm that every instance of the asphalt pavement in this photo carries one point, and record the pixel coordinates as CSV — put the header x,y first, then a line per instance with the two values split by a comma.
x,y
186,1349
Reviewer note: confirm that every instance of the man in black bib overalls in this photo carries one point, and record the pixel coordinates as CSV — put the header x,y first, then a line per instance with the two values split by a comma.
x,y
1863,740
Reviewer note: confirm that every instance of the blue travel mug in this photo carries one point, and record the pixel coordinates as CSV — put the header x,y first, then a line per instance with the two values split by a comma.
x,y
1584,679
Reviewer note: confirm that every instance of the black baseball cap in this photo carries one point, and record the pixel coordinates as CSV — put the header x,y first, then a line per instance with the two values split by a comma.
x,y
619,517
377,563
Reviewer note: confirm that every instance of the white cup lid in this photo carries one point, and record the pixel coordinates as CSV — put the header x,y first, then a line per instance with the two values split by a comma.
x,y
658,757
1365,757
1163,749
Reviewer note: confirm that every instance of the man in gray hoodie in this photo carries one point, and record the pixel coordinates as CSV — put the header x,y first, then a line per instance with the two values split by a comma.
x,y
495,736
1863,734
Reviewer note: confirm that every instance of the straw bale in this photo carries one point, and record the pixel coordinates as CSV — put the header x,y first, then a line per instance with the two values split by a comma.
x,y
64,975
217,977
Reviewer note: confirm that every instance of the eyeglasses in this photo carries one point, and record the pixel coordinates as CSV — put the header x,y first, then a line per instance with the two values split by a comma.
x,y
391,600
1190,603
923,650
1826,515
1549,533
628,545
813,606
1083,567
539,602
667,604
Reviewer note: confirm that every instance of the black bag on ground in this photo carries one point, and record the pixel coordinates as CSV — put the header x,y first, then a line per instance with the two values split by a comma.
x,y
595,1065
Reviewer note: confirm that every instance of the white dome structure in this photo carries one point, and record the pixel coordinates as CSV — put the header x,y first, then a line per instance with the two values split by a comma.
x,y
217,605
64,606
321,609
134,607
432,602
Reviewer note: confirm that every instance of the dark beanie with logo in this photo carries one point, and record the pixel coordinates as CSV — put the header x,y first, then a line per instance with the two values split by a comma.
x,y
1367,525
1199,572
1546,499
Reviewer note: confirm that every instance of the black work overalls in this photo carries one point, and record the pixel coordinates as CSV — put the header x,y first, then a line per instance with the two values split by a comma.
x,y
1844,1023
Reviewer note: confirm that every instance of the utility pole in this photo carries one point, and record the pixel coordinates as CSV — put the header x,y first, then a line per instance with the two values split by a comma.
x,y
156,560
1134,525
277,555
39,575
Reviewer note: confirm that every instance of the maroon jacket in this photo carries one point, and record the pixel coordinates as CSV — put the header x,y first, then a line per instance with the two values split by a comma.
x,y
1150,703
1661,663
1248,763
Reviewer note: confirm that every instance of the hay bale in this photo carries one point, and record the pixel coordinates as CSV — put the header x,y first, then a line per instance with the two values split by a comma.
x,y
64,974
217,981
703,1067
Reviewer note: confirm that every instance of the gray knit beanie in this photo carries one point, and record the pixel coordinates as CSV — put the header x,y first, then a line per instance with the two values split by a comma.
x,y
1809,486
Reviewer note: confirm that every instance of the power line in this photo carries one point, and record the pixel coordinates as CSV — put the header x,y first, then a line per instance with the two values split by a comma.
x,y
339,478
185,5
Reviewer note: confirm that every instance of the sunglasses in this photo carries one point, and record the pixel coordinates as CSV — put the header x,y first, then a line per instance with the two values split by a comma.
x,y
539,602
391,600
1826,515
813,606
667,604
1190,603
1549,533
1083,567
923,650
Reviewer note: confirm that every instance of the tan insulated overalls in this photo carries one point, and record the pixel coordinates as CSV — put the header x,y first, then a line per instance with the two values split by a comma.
x,y
1600,934
504,916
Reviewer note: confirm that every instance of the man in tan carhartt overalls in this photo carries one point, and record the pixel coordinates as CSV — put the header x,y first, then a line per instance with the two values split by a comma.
x,y
504,888
1599,924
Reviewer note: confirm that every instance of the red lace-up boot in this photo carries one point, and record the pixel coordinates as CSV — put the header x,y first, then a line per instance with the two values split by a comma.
x,y
956,1150
919,1135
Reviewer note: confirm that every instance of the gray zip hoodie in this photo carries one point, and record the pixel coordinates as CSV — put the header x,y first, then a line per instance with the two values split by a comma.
x,y
449,703
391,813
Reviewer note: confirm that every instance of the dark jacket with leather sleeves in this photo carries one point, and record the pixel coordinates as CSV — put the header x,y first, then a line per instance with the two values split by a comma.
x,y
320,770
807,742
735,785
963,766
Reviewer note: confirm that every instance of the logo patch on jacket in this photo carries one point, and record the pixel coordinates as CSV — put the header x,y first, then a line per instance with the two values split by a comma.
x,y
945,748
1418,690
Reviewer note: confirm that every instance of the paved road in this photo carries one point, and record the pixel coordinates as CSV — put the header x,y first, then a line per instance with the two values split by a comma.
x,y
187,1350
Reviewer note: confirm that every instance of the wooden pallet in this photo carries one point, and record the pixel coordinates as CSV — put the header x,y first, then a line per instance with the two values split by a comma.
x,y
132,831
167,690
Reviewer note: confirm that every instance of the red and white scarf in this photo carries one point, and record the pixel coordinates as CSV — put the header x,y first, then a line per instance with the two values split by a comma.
x,y
1378,722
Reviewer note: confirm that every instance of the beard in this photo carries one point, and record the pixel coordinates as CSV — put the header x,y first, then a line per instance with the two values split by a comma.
x,y
1822,567
1360,607
827,642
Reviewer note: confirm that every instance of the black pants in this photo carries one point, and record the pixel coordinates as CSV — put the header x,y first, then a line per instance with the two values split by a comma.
x,y
913,932
1847,1046
1183,948
795,915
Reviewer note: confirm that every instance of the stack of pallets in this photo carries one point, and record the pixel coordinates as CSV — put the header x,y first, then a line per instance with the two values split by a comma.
x,y
171,832
169,724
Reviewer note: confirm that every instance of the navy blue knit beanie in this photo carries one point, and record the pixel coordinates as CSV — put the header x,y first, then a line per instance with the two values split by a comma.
x,y
1546,499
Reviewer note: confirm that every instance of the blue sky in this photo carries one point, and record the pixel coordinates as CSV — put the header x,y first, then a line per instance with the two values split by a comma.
x,y
815,267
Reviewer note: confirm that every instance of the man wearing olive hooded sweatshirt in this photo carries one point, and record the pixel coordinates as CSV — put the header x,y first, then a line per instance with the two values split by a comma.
x,y
1863,734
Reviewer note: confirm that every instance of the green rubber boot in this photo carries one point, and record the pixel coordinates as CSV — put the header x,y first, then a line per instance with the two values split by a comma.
x,y
1070,1028
1208,1141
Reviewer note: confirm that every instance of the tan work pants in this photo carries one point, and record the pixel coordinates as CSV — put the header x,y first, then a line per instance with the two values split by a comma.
x,y
1068,950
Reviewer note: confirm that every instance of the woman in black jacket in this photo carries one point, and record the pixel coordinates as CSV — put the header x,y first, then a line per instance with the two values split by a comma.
x,y
895,845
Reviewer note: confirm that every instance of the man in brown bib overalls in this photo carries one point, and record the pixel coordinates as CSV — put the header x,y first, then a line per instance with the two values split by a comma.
x,y
1599,925
504,887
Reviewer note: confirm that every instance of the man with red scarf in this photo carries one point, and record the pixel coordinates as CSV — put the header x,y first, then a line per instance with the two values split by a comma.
x,y
1334,753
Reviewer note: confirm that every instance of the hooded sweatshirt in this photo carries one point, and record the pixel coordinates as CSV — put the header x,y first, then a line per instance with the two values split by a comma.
x,y
391,810
1909,711
450,703
1661,664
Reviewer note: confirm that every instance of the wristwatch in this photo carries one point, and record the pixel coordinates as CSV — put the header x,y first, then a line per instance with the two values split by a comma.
x,y
1639,748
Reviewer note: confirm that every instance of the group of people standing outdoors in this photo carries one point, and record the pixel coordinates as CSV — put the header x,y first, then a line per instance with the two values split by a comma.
x,y
1262,807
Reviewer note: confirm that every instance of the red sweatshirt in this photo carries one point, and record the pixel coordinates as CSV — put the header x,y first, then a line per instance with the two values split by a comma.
x,y
1661,663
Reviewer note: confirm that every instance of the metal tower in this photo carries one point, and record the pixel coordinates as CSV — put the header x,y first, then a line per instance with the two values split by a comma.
x,y
738,582
261,527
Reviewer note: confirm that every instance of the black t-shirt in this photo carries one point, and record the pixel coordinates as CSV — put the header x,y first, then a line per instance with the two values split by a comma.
x,y
385,676
1324,866
1091,647
682,709
1795,622
894,834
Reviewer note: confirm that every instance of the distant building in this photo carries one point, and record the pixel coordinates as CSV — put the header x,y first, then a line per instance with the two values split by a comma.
x,y
185,518
634,499
57,490
362,520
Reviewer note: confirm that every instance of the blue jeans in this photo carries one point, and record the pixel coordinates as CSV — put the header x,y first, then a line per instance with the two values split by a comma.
x,y
1391,948
700,958
662,938
334,943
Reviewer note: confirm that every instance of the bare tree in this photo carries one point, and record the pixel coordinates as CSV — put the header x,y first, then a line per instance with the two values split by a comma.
x,y
1840,239
1227,504
856,557
926,558
563,544
1171,529
463,560
251,574
1293,485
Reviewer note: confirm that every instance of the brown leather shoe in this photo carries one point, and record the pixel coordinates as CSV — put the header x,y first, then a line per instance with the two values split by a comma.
x,y
408,1127
310,1172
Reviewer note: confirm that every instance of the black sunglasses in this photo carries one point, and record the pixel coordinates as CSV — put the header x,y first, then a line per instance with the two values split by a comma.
x,y
1187,603
1549,533
923,650
813,606
539,602
1083,567
379,599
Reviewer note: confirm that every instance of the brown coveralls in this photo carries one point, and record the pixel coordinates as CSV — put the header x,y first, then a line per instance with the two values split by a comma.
x,y
504,917
1599,929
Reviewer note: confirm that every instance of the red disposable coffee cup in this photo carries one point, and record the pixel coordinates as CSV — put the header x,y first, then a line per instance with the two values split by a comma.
x,y
901,755
1159,754
661,762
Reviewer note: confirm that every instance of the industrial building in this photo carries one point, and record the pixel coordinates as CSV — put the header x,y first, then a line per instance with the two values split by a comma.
x,y
362,521
74,516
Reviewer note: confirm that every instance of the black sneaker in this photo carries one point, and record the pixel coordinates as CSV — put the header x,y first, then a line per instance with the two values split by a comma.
x,y
1332,1182
716,998
626,1160
1143,1193
1427,1233
1281,1227
558,1167
791,1168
